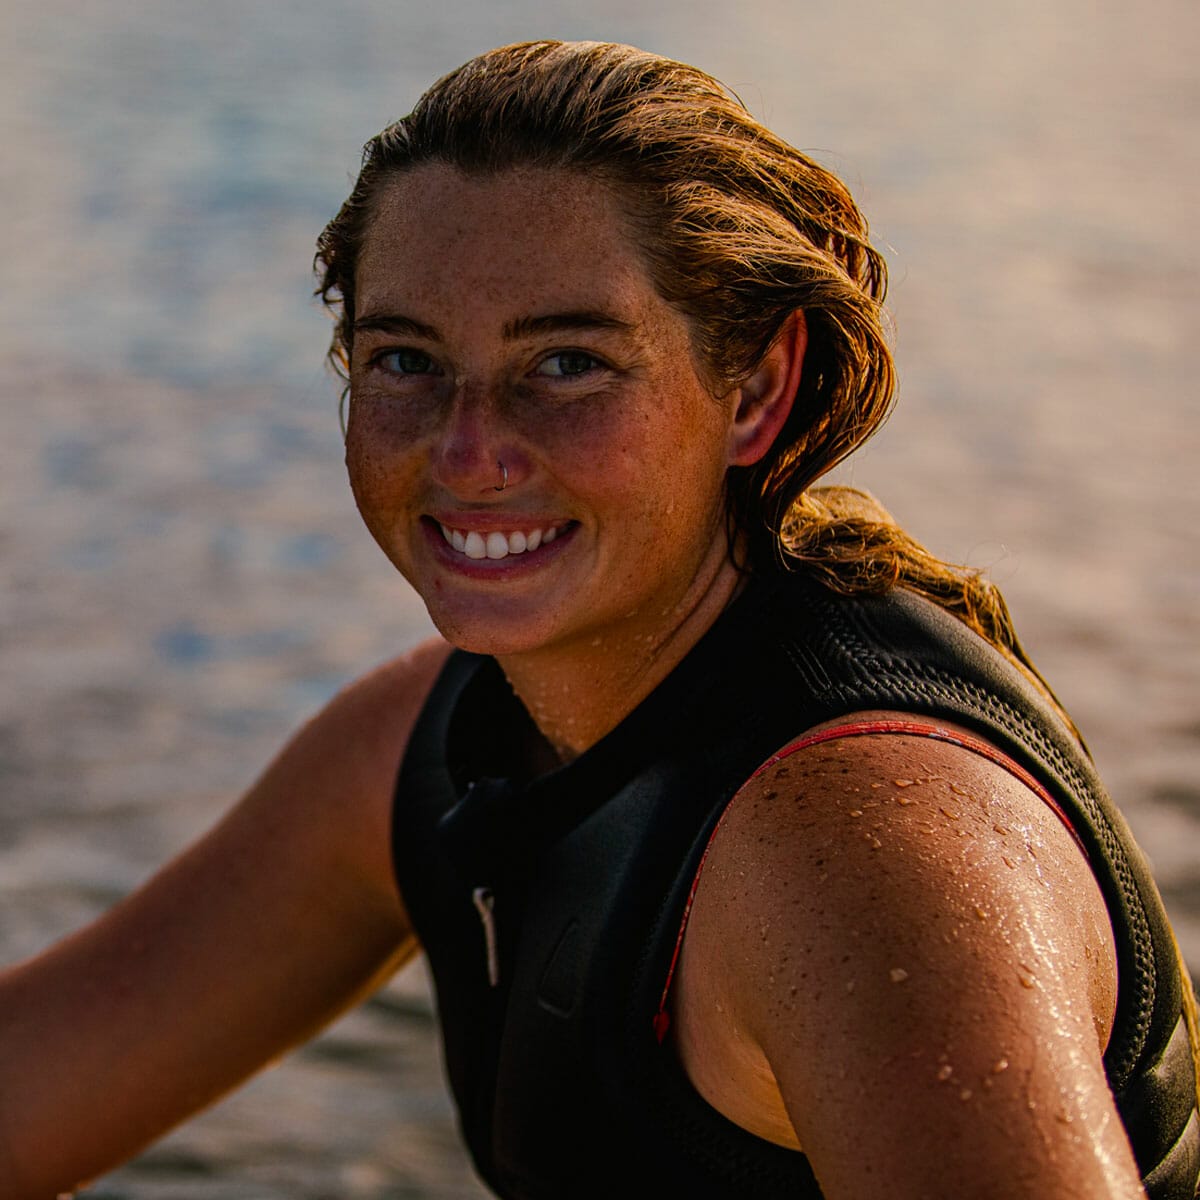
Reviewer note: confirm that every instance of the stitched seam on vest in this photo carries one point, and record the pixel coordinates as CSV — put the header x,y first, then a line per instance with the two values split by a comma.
x,y
926,729
662,1019
921,679
1144,980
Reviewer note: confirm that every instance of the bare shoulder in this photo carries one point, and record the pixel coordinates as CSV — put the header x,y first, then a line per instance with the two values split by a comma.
x,y
905,930
342,764
930,836
248,942
365,727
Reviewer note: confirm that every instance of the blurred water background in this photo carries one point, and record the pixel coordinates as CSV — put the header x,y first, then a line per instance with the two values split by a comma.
x,y
184,576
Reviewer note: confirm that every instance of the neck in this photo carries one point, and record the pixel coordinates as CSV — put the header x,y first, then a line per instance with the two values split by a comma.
x,y
579,692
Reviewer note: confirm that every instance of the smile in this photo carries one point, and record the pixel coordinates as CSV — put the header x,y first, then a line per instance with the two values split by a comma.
x,y
497,544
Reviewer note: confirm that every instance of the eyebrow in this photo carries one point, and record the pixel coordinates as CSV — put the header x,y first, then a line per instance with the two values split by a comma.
x,y
397,323
563,322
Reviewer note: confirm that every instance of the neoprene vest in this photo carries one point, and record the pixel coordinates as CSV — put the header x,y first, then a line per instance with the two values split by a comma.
x,y
549,906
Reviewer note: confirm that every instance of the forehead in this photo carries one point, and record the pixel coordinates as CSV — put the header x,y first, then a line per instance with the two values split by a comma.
x,y
515,238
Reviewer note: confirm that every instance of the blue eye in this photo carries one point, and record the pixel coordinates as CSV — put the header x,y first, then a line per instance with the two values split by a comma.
x,y
405,362
567,363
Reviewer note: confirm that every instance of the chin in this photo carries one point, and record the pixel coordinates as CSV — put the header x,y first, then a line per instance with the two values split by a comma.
x,y
483,635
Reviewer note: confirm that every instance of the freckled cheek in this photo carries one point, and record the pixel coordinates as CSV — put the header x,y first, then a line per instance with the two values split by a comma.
x,y
579,442
393,425
383,453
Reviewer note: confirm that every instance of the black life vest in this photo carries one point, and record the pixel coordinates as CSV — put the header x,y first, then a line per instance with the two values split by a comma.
x,y
549,905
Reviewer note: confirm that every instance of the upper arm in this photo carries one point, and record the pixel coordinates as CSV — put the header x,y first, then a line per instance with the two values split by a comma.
x,y
242,946
922,954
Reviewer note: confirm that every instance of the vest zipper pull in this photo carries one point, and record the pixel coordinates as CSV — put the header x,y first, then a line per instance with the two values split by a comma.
x,y
485,903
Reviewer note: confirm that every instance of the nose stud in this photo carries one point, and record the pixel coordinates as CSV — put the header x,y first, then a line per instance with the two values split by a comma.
x,y
503,477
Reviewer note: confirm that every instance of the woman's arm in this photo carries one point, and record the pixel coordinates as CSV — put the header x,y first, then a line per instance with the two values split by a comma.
x,y
915,947
243,946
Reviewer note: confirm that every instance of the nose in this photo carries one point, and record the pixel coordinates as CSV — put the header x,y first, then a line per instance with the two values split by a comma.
x,y
475,456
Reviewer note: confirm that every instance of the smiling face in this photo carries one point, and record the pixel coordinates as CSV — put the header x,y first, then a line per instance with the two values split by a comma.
x,y
509,319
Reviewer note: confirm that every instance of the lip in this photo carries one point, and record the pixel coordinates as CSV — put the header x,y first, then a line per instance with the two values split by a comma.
x,y
512,565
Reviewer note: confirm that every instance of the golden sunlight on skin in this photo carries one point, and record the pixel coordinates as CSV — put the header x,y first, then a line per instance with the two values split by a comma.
x,y
867,907
596,453
508,319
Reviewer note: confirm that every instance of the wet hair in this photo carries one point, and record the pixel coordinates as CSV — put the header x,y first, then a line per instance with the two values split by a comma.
x,y
739,230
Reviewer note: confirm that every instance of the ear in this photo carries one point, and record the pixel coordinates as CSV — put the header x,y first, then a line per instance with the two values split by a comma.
x,y
763,401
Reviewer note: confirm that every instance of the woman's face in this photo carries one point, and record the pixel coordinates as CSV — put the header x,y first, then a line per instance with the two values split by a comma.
x,y
508,318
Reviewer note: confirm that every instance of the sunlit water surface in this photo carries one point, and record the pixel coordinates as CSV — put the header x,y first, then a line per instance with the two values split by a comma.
x,y
185,577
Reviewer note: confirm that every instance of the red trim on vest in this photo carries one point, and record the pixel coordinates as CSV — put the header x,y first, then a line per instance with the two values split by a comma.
x,y
662,1018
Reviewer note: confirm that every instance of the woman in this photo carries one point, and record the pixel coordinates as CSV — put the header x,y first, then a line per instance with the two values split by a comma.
x,y
751,855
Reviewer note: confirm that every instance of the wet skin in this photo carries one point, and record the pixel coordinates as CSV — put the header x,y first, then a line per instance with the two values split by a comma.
x,y
510,319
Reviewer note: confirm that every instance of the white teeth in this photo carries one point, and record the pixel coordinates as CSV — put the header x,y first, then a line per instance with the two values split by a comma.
x,y
496,544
